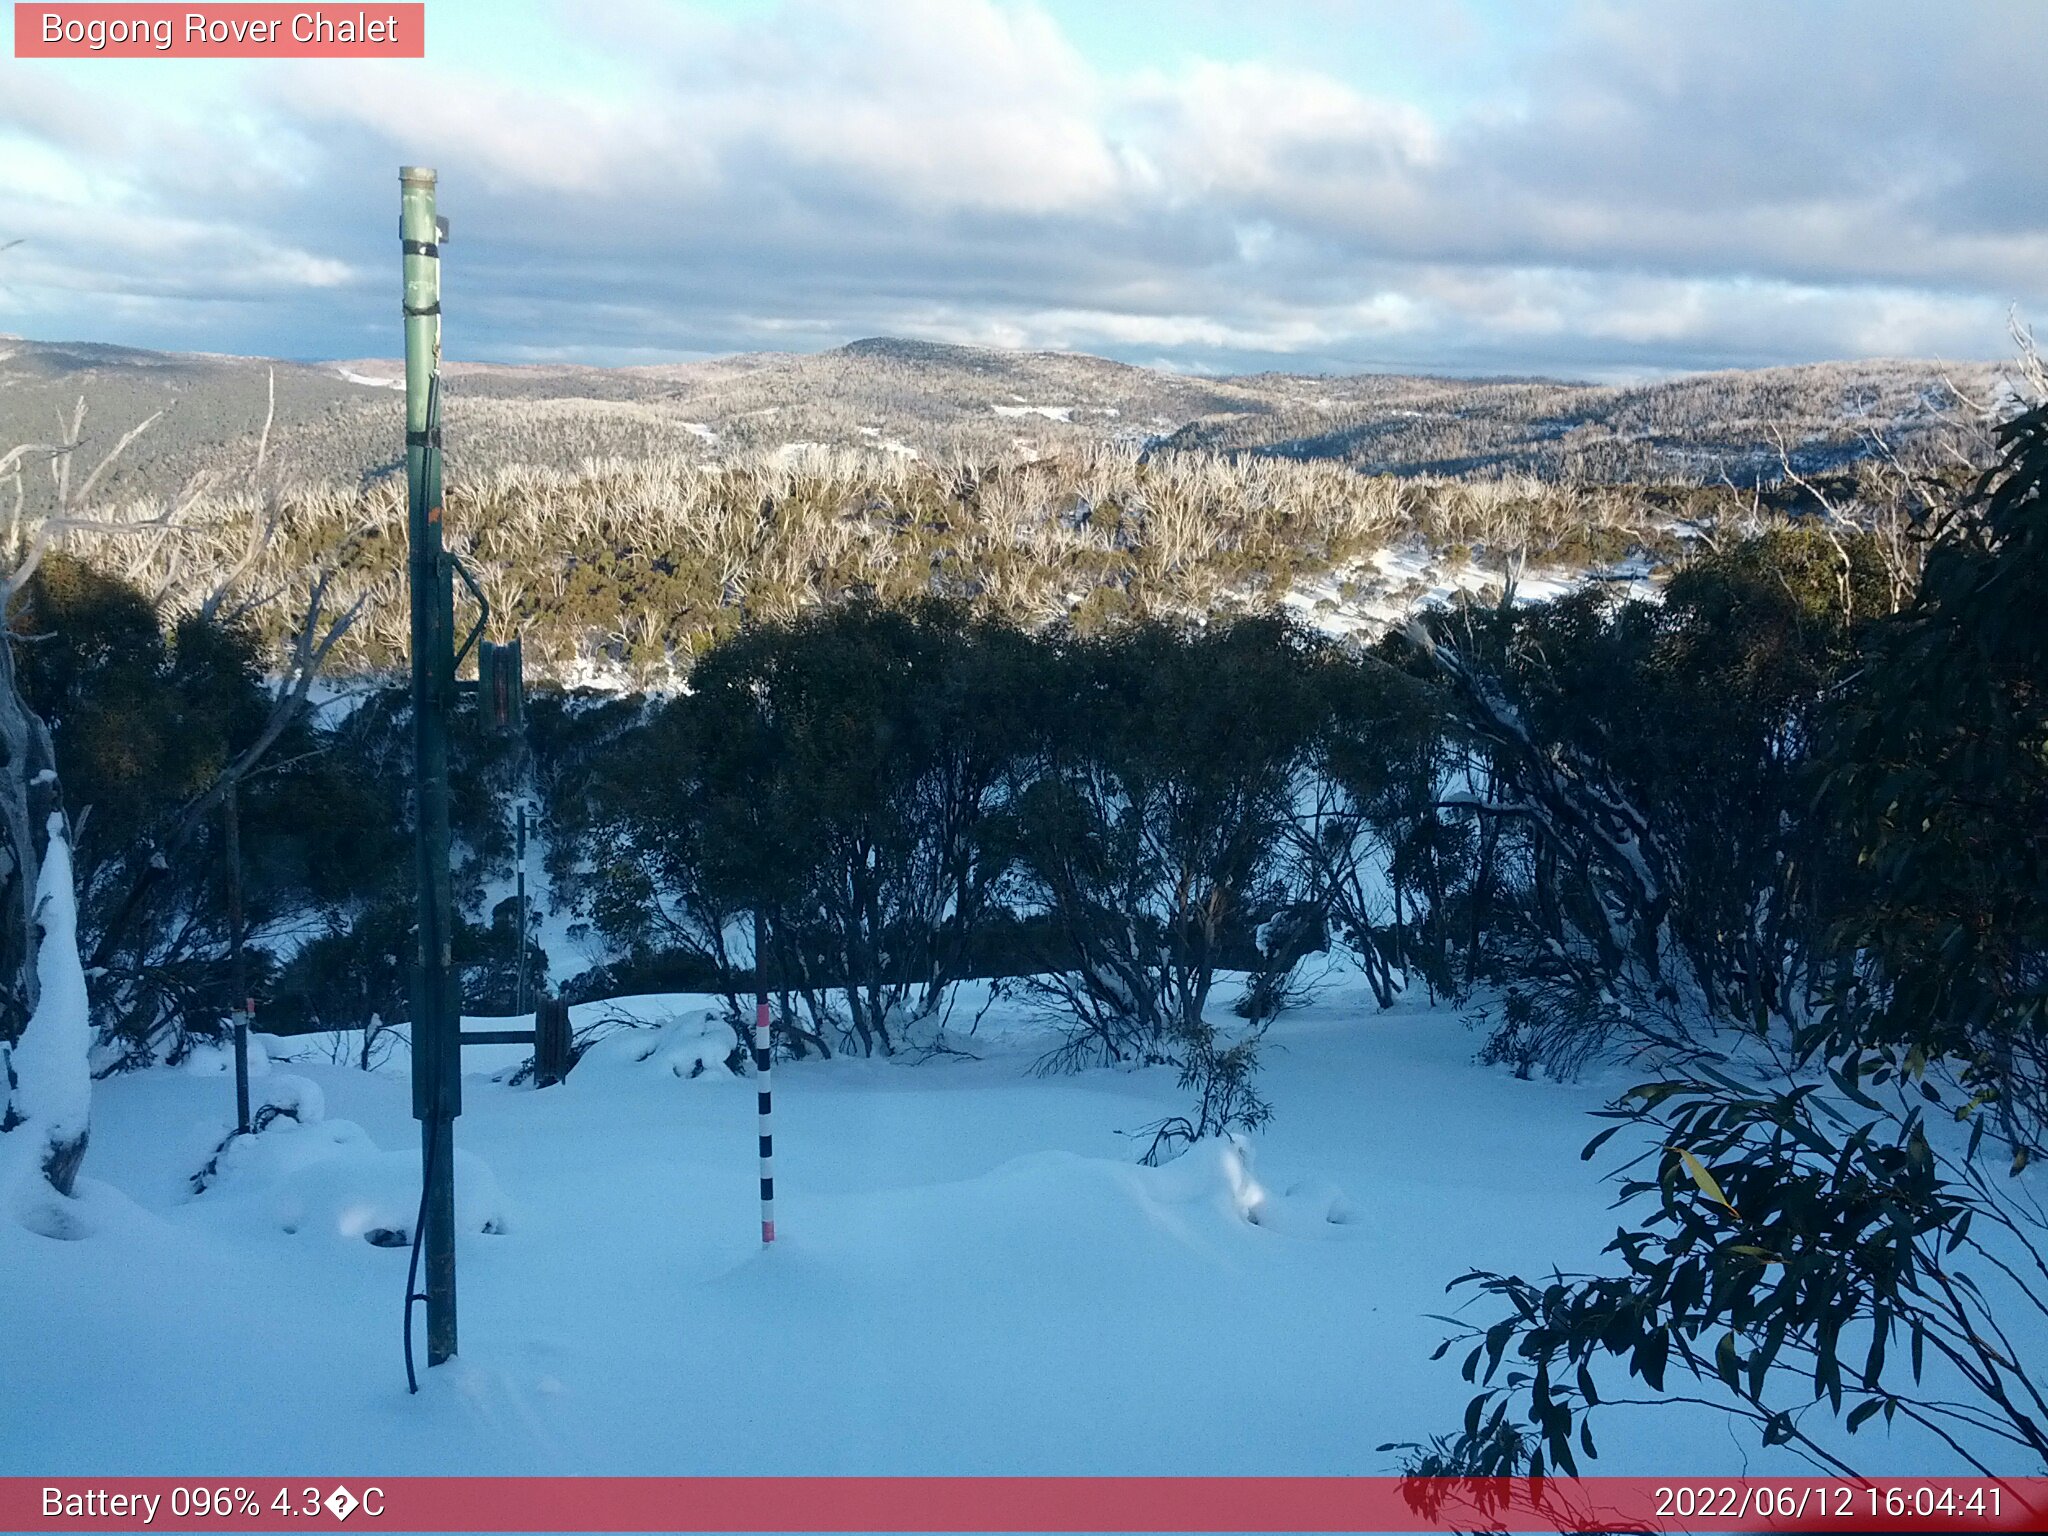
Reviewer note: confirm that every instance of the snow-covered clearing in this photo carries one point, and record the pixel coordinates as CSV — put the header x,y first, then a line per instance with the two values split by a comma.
x,y
973,1275
1049,412
1366,597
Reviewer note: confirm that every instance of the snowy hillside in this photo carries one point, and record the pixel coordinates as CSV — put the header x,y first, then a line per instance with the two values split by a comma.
x,y
334,422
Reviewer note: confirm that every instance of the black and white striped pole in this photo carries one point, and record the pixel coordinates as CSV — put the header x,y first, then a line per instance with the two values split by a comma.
x,y
764,1055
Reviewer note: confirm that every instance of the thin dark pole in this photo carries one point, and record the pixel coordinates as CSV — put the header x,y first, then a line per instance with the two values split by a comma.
x,y
436,1062
519,1001
237,967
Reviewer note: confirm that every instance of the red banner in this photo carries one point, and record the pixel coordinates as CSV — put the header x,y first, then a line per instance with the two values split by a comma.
x,y
359,31
1020,1504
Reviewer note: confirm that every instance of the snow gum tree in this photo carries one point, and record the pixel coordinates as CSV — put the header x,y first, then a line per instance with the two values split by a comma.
x,y
1820,1226
1149,828
1641,776
835,774
1939,767
1366,843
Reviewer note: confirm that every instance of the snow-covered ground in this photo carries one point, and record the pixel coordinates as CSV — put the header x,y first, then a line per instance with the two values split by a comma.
x,y
1049,412
973,1275
372,380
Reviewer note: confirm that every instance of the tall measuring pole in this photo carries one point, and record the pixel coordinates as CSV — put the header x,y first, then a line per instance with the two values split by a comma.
x,y
764,1056
436,1049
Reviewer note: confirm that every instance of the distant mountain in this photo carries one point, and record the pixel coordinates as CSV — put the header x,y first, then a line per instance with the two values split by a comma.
x,y
1697,427
338,422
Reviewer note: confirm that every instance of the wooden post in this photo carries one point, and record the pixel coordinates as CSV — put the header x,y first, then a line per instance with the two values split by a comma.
x,y
551,1043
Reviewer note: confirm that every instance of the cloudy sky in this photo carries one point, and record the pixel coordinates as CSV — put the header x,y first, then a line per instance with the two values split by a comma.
x,y
1598,190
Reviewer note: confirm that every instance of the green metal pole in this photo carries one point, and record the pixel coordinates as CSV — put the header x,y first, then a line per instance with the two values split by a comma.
x,y
436,1060
238,970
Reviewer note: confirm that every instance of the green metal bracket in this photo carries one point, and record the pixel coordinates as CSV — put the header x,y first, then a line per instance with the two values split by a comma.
x,y
483,617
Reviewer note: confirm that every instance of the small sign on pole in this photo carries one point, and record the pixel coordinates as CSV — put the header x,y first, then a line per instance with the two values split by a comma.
x,y
500,687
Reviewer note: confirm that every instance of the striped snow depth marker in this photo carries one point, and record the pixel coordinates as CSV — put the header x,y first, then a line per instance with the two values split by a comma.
x,y
762,1057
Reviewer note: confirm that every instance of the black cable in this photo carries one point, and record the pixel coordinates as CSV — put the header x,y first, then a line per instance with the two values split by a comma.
x,y
412,1270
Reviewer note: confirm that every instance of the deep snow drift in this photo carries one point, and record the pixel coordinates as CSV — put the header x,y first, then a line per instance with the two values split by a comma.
x,y
973,1276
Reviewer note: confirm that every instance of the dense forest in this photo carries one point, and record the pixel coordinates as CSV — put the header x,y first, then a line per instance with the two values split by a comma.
x,y
625,573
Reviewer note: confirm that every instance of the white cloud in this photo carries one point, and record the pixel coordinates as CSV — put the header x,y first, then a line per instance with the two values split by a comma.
x,y
1685,186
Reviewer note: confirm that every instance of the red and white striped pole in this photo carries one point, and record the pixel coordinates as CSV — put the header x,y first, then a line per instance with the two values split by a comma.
x,y
763,1057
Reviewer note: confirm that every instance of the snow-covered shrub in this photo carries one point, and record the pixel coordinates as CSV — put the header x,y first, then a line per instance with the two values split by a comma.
x,y
360,1192
690,1046
1366,839
1284,942
273,1100
1555,1025
1221,1078
320,1176
49,1103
